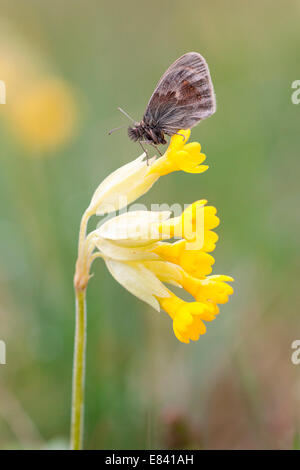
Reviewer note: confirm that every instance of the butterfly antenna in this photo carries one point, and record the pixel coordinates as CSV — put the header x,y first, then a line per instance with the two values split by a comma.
x,y
127,115
116,129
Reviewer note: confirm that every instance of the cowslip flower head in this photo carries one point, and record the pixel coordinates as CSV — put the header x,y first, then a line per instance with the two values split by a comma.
x,y
188,317
137,255
147,251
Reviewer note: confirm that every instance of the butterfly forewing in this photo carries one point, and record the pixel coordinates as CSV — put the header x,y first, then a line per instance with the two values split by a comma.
x,y
183,96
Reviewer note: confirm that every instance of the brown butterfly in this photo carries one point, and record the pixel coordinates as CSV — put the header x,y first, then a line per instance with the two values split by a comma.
x,y
183,96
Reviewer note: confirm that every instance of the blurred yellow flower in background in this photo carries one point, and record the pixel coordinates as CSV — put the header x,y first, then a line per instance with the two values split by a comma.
x,y
41,108
45,115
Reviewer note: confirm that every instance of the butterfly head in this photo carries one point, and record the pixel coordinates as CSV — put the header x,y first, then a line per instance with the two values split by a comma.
x,y
136,132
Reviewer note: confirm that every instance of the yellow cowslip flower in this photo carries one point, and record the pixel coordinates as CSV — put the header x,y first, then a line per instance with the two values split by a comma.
x,y
191,253
198,263
44,115
148,226
144,278
180,156
188,317
192,223
134,179
212,288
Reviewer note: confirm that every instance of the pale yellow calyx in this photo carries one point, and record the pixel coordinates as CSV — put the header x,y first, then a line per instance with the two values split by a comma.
x,y
138,280
122,187
134,228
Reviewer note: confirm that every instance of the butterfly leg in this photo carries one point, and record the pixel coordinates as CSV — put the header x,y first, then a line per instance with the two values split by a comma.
x,y
145,151
156,148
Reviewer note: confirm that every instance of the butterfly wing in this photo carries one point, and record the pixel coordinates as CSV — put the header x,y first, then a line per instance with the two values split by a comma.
x,y
183,96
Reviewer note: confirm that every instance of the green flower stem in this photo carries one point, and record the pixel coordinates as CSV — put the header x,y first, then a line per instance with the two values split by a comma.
x,y
77,420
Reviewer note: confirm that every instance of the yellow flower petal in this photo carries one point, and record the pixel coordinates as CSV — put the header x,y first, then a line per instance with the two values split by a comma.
x,y
213,288
180,156
187,317
193,148
195,262
182,160
194,225
162,167
178,140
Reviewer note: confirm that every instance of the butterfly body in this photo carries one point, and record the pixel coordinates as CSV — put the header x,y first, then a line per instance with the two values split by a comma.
x,y
183,97
145,132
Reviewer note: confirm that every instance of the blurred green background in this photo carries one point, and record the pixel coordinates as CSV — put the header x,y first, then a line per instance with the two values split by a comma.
x,y
67,66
